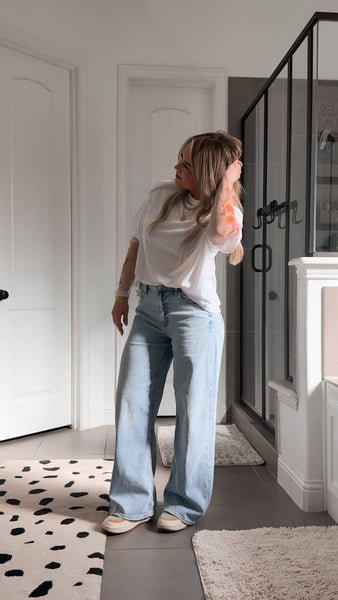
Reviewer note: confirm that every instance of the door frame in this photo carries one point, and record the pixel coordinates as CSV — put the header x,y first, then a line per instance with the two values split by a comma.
x,y
213,78
21,41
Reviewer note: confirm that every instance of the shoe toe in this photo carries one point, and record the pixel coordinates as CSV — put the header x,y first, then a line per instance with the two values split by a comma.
x,y
168,522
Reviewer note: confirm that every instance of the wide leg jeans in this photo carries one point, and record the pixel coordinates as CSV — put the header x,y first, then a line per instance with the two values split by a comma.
x,y
167,327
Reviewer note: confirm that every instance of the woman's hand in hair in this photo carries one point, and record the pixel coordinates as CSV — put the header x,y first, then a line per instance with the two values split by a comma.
x,y
227,224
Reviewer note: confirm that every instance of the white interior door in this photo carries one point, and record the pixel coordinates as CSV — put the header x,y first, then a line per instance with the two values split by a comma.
x,y
35,245
161,117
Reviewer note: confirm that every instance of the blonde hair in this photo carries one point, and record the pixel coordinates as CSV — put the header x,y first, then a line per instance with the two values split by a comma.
x,y
211,155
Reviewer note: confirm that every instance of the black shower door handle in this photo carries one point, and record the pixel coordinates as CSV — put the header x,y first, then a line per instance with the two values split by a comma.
x,y
253,253
268,263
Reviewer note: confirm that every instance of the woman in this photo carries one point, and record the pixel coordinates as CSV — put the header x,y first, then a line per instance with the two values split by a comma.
x,y
176,235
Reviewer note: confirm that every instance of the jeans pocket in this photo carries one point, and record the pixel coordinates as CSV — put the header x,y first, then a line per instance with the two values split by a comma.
x,y
182,296
141,291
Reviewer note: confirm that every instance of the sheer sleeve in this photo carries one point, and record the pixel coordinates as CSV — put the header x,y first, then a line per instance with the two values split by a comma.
x,y
128,269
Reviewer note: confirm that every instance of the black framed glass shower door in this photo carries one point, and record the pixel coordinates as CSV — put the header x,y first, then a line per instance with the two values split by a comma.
x,y
275,135
263,272
289,204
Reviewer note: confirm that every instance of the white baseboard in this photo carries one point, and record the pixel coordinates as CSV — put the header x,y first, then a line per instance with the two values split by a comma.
x,y
332,506
101,417
307,494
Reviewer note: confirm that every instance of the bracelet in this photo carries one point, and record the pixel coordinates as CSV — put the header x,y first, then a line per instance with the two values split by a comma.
x,y
121,298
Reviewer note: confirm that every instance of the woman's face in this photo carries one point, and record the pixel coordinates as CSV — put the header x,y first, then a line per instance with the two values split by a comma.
x,y
184,176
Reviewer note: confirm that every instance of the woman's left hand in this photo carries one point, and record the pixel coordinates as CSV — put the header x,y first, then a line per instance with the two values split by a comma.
x,y
120,314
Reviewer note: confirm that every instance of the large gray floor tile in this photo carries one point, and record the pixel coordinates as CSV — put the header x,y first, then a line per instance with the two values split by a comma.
x,y
254,514
151,574
109,450
60,443
238,485
25,448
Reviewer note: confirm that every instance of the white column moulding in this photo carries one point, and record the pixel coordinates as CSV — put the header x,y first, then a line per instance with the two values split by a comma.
x,y
301,427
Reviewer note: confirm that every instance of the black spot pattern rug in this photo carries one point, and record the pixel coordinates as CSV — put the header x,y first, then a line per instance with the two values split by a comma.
x,y
51,543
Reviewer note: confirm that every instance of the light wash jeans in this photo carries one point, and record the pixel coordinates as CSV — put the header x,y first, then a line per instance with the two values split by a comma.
x,y
167,326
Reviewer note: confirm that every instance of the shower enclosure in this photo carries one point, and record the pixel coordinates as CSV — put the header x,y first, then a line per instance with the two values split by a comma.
x,y
290,177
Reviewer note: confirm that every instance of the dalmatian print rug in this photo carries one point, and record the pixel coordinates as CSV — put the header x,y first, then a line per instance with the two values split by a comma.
x,y
51,542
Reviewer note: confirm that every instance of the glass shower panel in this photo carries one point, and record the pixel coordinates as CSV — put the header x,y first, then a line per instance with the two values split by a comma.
x,y
252,263
290,135
275,239
326,139
297,210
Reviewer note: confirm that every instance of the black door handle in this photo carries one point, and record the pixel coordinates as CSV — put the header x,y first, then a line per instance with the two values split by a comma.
x,y
269,263
3,295
253,253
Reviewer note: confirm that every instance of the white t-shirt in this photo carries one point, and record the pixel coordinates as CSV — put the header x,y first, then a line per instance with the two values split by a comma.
x,y
158,260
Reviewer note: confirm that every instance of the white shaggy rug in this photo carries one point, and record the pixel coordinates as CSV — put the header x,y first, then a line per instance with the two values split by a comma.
x,y
51,543
269,563
231,447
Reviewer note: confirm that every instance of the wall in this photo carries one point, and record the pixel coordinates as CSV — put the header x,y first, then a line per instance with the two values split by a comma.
x,y
247,38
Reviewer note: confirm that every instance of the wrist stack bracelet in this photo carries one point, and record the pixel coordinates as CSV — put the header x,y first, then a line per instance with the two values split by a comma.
x,y
121,298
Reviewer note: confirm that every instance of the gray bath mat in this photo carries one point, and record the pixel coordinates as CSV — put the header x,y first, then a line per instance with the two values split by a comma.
x,y
231,447
268,563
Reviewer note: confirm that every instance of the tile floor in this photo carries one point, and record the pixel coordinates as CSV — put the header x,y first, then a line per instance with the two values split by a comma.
x,y
149,565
